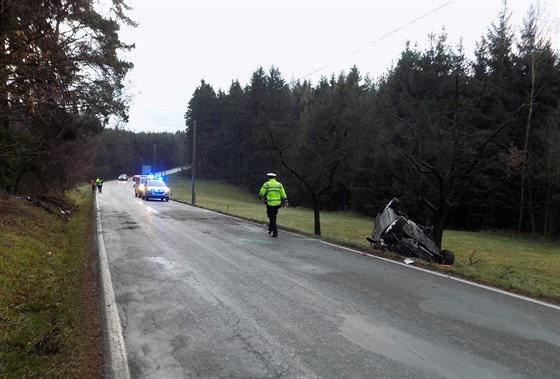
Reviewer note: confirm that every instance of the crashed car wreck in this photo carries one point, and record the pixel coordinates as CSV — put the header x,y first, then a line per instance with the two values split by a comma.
x,y
395,232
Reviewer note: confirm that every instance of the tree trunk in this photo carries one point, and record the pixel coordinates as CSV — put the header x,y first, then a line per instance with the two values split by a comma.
x,y
317,217
315,196
439,222
531,208
526,145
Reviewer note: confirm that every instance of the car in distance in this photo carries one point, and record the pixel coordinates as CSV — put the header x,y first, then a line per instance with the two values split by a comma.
x,y
123,177
140,185
156,189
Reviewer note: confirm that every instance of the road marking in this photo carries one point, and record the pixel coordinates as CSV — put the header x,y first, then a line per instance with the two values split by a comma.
x,y
448,276
118,362
497,290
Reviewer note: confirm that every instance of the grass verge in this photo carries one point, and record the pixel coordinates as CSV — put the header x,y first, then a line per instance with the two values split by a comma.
x,y
49,315
519,264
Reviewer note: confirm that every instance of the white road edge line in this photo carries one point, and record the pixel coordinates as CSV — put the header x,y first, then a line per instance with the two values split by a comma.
x,y
118,361
553,306
549,305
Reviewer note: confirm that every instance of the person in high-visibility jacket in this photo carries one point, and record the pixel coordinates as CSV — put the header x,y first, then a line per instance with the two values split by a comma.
x,y
273,193
99,183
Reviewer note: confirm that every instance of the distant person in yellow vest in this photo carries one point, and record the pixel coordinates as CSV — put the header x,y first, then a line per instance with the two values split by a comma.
x,y
273,194
99,183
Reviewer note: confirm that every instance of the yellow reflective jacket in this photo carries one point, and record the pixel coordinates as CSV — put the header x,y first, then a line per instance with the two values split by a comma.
x,y
273,192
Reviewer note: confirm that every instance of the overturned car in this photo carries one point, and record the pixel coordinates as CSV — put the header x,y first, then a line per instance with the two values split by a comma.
x,y
394,231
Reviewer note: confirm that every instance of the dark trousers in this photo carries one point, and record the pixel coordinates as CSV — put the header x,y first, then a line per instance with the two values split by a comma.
x,y
272,212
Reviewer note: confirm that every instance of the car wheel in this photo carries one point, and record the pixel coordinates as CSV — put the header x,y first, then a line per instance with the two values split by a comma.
x,y
394,204
448,257
399,225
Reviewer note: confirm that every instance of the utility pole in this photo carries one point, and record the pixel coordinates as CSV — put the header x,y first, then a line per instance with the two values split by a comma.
x,y
181,155
193,166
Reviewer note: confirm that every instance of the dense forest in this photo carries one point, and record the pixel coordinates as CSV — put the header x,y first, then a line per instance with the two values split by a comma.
x,y
124,152
465,142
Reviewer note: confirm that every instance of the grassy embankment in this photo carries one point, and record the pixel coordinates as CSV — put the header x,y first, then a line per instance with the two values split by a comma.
x,y
524,265
49,319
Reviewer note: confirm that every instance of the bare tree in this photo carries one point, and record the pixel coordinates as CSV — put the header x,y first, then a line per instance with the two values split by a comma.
x,y
537,64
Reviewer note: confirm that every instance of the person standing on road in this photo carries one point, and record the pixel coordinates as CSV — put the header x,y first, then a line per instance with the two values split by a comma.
x,y
272,192
99,183
93,185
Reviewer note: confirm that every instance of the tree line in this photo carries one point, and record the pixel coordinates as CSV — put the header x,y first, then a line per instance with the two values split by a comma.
x,y
470,143
464,143
120,151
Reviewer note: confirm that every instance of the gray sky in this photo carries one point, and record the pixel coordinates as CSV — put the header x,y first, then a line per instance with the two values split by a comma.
x,y
181,42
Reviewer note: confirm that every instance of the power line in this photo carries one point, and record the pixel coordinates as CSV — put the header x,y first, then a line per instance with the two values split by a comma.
x,y
347,55
377,40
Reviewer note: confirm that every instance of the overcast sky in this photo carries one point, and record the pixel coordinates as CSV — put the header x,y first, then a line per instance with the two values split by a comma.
x,y
181,42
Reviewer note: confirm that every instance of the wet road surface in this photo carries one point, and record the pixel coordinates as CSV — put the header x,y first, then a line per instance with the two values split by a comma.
x,y
200,294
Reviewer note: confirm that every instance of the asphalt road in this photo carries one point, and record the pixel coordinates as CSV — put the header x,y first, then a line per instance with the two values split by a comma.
x,y
200,294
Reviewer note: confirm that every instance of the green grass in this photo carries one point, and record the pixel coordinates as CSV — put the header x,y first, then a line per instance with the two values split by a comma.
x,y
523,265
45,314
520,264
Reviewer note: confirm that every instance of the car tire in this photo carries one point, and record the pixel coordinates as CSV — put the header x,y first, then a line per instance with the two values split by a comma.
x,y
394,204
448,257
395,235
399,225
